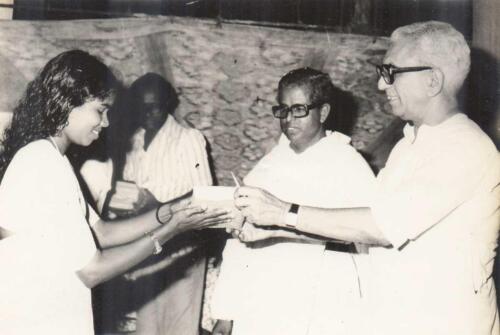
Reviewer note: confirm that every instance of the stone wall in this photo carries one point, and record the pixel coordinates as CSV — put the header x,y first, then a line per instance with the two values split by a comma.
x,y
226,74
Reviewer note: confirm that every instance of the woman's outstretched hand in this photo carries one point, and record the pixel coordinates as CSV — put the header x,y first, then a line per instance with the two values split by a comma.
x,y
182,216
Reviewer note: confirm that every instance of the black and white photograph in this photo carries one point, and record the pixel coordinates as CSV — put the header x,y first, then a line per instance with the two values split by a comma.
x,y
249,167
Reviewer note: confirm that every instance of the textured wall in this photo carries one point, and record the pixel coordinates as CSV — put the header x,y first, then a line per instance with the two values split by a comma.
x,y
226,75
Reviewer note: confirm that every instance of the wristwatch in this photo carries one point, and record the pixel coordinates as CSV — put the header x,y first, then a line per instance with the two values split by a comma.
x,y
292,216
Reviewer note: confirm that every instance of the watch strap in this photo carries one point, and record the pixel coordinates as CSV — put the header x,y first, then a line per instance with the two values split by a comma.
x,y
292,216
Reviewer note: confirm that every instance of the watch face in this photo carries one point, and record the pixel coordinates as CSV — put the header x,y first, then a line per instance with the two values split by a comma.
x,y
294,208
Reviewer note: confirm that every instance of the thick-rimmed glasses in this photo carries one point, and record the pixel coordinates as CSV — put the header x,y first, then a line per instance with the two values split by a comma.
x,y
388,71
297,110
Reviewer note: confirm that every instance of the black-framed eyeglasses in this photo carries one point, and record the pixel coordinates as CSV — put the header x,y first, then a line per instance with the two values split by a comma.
x,y
388,71
297,110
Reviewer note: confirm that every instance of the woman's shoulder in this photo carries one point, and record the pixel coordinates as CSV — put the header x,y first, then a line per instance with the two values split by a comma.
x,y
29,166
37,158
33,153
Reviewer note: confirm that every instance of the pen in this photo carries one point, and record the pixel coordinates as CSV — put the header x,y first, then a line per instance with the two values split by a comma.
x,y
235,179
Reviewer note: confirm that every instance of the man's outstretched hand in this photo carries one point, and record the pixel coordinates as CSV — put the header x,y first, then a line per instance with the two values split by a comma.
x,y
260,207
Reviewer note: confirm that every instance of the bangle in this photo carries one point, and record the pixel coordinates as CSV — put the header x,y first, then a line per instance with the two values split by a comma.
x,y
156,243
158,215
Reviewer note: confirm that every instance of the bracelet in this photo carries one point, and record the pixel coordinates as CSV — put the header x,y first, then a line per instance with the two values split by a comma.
x,y
156,243
158,215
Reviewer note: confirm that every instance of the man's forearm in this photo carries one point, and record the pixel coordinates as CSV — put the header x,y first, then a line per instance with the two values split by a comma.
x,y
345,224
297,235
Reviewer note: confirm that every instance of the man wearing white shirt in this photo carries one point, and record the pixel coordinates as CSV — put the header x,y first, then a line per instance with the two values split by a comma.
x,y
295,285
435,217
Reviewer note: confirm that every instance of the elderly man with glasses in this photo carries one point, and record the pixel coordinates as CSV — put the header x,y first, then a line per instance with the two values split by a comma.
x,y
435,216
283,285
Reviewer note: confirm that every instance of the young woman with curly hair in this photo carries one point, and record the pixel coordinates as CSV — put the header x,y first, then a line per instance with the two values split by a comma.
x,y
55,247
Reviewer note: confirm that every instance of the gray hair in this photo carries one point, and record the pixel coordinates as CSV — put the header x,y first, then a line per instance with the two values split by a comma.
x,y
439,45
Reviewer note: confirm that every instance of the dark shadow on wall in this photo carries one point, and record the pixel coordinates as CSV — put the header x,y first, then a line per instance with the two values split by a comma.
x,y
343,112
342,118
482,101
378,151
481,104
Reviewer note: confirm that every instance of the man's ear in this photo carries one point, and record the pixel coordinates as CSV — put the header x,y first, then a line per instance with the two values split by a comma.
x,y
324,112
436,82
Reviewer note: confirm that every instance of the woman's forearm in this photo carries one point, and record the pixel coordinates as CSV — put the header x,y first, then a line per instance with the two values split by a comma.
x,y
115,233
110,262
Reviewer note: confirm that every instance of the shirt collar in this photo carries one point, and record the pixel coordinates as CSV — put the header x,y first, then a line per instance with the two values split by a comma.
x,y
330,136
424,130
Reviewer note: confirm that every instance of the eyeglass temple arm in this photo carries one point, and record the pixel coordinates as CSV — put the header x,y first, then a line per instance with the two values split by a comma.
x,y
409,69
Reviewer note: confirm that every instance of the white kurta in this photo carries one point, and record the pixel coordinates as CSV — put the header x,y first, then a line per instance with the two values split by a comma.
x,y
42,205
290,287
441,192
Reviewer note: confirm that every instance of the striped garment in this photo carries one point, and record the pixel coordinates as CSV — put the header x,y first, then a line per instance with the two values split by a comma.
x,y
175,161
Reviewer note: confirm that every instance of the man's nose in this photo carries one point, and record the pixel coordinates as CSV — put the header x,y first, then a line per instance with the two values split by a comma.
x,y
382,85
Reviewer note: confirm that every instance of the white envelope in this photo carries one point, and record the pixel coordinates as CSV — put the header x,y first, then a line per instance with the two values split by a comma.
x,y
218,197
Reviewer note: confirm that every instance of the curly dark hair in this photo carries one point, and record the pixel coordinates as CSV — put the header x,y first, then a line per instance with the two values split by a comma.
x,y
67,81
